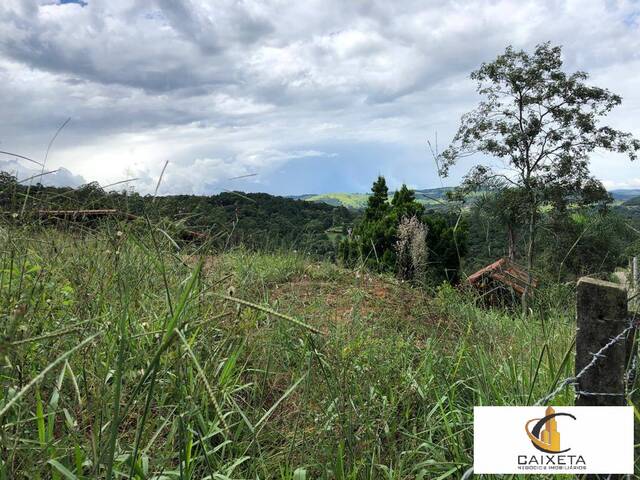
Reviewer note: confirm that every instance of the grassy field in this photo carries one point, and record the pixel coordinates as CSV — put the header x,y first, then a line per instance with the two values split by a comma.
x,y
349,200
128,356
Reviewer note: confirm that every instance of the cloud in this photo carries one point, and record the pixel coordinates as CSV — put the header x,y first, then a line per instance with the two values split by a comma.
x,y
58,177
630,183
229,87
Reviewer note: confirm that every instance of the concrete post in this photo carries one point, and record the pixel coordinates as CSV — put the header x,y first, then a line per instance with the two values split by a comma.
x,y
602,314
633,287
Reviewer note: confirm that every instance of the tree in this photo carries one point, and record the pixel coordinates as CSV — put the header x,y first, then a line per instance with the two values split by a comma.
x,y
378,201
405,205
586,241
504,209
542,122
8,186
374,238
446,244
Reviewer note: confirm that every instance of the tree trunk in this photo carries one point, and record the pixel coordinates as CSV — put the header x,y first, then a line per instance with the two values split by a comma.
x,y
511,242
530,253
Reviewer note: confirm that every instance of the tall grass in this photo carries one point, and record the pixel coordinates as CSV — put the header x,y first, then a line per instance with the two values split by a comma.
x,y
128,356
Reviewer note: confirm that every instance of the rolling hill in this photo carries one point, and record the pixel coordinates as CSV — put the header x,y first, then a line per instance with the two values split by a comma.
x,y
625,194
431,197
632,202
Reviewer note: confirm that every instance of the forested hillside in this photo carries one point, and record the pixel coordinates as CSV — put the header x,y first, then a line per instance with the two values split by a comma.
x,y
461,236
256,220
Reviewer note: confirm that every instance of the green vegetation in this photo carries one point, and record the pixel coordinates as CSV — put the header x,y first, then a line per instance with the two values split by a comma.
x,y
543,123
255,220
375,240
348,200
429,197
136,348
624,195
125,355
632,202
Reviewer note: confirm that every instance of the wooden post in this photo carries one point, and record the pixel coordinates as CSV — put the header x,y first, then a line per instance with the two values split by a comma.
x,y
602,315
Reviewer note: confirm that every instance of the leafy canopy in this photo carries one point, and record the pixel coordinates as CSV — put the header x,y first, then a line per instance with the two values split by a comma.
x,y
542,121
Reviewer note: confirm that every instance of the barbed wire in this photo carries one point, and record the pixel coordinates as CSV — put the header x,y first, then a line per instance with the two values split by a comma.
x,y
594,359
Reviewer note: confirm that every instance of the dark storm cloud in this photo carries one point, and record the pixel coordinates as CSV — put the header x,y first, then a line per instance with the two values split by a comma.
x,y
214,30
228,87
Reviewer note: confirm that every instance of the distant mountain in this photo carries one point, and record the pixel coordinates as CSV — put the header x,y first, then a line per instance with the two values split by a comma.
x,y
632,202
427,196
626,194
431,197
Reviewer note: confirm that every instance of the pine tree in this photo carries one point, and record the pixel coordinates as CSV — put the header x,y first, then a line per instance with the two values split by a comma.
x,y
378,202
405,205
375,237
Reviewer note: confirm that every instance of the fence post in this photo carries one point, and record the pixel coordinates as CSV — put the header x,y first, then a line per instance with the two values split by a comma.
x,y
602,315
633,284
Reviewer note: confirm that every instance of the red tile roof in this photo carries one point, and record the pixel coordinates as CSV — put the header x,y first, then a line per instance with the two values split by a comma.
x,y
506,272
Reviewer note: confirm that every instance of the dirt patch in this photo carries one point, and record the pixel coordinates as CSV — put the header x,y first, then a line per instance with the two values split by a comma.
x,y
352,295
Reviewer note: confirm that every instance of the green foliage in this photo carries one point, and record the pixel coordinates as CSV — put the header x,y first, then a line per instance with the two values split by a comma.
x,y
633,202
355,201
373,241
575,239
429,197
405,205
377,203
496,219
585,242
374,237
544,123
387,391
255,220
447,245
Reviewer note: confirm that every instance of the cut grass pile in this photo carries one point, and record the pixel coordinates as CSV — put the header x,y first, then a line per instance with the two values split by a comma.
x,y
126,356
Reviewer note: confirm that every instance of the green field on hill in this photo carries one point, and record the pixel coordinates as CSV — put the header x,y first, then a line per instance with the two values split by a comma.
x,y
432,198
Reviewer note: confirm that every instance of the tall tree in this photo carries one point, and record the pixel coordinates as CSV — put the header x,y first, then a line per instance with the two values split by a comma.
x,y
375,236
405,204
542,122
502,208
378,201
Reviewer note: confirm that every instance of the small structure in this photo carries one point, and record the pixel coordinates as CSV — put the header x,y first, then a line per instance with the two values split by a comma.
x,y
502,276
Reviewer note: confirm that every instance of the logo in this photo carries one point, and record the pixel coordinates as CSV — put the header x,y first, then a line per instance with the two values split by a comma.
x,y
547,440
553,440
545,437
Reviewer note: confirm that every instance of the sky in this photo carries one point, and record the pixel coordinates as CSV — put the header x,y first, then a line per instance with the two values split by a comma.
x,y
312,96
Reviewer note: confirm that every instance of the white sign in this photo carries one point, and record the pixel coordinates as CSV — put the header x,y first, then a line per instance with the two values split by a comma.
x,y
549,440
